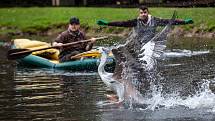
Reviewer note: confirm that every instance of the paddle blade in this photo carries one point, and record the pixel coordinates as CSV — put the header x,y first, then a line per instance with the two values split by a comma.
x,y
17,53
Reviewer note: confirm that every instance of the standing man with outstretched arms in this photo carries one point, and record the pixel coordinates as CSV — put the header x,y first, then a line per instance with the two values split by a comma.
x,y
144,29
144,19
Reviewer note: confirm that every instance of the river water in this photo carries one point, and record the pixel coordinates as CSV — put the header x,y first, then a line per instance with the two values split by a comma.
x,y
186,93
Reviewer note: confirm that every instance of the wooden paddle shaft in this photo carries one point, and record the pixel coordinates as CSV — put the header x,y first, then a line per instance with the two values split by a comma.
x,y
68,44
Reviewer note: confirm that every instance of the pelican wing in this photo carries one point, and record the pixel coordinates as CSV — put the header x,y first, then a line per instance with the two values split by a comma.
x,y
154,49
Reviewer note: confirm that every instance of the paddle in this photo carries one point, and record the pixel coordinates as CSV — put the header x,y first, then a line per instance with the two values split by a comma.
x,y
21,53
85,54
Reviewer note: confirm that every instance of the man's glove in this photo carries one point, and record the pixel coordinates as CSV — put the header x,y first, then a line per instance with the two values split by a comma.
x,y
188,21
102,22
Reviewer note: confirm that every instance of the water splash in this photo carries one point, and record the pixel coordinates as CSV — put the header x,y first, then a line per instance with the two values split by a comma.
x,y
204,98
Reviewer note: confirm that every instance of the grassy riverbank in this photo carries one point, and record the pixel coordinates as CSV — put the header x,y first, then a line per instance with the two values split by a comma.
x,y
32,20
45,24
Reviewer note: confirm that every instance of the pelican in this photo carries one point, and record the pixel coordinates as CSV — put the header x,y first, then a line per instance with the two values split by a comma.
x,y
123,88
107,78
136,62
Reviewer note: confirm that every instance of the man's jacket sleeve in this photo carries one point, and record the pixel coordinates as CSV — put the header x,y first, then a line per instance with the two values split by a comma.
x,y
164,22
129,23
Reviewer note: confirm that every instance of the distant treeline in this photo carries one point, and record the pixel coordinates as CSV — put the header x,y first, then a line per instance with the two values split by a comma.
x,y
107,3
25,3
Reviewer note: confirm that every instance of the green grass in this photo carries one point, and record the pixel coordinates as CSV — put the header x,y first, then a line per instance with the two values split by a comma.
x,y
35,18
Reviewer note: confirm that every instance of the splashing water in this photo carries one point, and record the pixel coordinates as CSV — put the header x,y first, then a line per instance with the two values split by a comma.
x,y
204,98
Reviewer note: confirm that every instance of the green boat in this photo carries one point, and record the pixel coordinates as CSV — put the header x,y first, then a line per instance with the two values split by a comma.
x,y
90,64
88,61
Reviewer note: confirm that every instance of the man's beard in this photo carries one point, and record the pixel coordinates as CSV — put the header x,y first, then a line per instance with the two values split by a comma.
x,y
144,18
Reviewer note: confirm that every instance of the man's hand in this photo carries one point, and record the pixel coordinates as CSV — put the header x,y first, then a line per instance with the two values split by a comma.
x,y
57,44
102,22
93,40
188,21
90,44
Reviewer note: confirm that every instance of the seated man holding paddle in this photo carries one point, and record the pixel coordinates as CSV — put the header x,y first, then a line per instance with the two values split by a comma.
x,y
73,34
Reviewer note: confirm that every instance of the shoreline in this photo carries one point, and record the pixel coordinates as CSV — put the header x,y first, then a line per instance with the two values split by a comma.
x,y
52,32
177,39
25,22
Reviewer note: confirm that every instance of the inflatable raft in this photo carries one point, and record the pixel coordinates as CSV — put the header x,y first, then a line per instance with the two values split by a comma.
x,y
49,58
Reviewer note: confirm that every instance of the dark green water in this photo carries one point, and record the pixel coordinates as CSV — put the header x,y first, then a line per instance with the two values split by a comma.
x,y
28,94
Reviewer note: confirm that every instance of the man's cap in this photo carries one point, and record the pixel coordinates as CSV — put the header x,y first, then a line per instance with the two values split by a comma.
x,y
74,20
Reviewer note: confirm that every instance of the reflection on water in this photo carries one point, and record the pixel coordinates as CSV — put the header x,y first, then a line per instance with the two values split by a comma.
x,y
45,94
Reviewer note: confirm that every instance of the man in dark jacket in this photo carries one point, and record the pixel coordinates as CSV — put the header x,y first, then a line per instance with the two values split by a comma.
x,y
144,19
144,26
72,34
